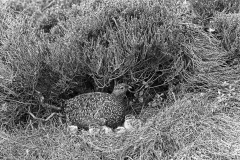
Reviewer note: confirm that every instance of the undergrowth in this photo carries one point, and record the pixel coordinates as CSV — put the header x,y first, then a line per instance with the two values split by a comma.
x,y
199,126
54,50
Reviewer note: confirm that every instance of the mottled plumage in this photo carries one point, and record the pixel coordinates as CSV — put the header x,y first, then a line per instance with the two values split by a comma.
x,y
98,108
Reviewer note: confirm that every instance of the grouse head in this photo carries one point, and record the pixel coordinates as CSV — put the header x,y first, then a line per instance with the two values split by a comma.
x,y
120,89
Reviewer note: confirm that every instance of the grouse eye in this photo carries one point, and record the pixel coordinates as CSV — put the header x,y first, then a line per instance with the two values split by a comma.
x,y
121,87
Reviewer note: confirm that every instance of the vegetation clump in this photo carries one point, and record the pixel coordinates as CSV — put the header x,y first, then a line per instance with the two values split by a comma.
x,y
184,78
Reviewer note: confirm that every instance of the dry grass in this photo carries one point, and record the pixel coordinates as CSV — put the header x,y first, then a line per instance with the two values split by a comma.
x,y
199,126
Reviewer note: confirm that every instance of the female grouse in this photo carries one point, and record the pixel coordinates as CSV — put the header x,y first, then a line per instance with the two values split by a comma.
x,y
98,108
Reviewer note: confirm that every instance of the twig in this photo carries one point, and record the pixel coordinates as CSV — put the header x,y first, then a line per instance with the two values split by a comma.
x,y
51,106
41,119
